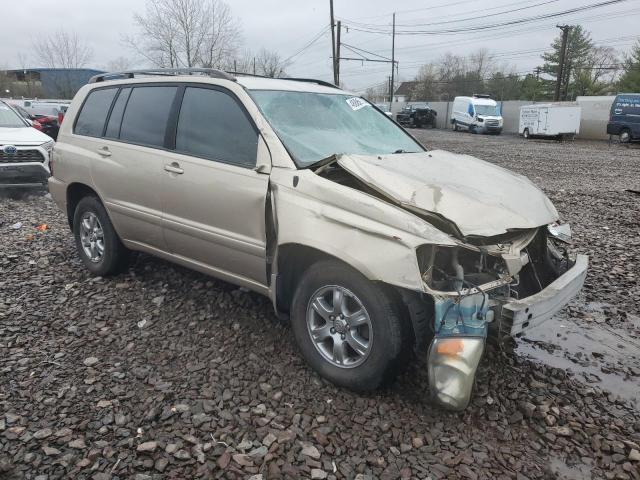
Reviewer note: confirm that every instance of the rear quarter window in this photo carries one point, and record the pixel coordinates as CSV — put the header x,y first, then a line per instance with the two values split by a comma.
x,y
93,114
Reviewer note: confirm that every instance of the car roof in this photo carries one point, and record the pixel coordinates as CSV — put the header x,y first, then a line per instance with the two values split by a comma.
x,y
209,75
263,83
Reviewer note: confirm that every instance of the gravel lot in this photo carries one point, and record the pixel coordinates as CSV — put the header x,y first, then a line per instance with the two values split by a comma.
x,y
164,373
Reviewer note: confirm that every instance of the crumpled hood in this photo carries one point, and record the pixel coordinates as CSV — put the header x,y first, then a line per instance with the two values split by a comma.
x,y
480,198
22,136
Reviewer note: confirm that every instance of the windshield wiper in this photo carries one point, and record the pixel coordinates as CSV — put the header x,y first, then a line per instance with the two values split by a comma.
x,y
402,151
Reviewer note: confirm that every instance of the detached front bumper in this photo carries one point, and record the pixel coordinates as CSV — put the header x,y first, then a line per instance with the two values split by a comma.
x,y
534,310
453,359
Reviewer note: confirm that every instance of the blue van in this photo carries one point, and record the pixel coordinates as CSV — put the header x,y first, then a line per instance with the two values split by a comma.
x,y
624,119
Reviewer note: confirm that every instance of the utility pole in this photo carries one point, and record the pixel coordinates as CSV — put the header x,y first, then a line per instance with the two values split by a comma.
x,y
333,44
390,88
393,60
563,52
254,65
337,67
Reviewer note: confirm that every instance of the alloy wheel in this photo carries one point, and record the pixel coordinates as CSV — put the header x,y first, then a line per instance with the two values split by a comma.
x,y
339,326
92,237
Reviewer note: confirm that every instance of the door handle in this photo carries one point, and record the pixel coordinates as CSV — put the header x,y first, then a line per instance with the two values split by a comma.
x,y
104,151
174,167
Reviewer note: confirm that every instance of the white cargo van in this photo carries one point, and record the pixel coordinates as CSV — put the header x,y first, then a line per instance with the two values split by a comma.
x,y
556,120
478,114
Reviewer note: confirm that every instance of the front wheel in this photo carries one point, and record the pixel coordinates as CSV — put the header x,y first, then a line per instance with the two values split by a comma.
x,y
348,328
455,126
526,134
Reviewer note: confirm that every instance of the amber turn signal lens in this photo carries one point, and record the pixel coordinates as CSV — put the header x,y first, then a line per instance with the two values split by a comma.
x,y
451,346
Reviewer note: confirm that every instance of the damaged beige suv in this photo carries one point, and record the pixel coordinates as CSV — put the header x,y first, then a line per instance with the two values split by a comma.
x,y
293,188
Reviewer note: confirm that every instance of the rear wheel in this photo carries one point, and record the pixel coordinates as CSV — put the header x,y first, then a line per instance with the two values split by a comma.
x,y
526,134
97,242
625,136
455,126
348,328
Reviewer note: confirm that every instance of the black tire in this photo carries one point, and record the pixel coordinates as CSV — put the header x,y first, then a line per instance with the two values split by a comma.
x,y
625,135
526,134
116,256
455,126
389,338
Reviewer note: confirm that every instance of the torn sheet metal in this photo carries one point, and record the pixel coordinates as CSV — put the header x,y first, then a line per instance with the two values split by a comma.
x,y
374,237
482,199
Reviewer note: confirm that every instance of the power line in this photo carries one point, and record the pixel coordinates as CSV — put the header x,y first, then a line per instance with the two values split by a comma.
x,y
315,38
493,26
471,18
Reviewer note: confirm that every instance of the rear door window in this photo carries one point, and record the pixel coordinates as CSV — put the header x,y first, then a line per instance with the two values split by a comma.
x,y
214,126
94,112
115,119
146,115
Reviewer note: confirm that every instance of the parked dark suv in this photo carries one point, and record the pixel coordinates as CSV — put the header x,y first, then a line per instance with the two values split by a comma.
x,y
624,119
417,116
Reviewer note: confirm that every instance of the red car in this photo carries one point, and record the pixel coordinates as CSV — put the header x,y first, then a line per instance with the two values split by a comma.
x,y
47,124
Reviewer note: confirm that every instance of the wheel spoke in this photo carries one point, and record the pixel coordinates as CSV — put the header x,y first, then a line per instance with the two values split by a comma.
x,y
320,334
100,248
338,300
92,248
359,345
339,353
92,221
321,308
357,319
85,225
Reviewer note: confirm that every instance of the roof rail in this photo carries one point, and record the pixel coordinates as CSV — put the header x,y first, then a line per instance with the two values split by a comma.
x,y
312,80
211,72
307,80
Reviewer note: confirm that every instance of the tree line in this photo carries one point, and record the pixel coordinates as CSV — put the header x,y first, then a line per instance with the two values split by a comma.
x,y
168,34
589,69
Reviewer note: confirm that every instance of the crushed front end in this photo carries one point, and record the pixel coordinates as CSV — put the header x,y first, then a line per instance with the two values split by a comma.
x,y
492,286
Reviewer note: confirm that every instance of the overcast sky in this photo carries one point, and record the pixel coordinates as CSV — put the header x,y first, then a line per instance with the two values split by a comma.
x,y
288,25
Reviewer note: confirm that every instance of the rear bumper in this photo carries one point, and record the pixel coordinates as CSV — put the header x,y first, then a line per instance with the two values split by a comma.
x,y
533,311
23,174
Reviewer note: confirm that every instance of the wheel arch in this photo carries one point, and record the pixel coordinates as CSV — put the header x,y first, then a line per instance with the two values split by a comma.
x,y
76,191
293,259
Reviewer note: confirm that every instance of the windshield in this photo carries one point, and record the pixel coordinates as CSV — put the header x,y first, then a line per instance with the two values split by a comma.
x,y
314,126
492,110
9,118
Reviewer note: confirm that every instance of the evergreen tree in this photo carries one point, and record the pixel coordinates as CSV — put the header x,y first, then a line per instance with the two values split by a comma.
x,y
630,80
579,47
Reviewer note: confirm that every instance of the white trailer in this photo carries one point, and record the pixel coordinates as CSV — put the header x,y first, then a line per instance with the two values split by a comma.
x,y
557,120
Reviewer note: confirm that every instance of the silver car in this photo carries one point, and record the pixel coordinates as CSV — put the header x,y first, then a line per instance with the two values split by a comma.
x,y
373,247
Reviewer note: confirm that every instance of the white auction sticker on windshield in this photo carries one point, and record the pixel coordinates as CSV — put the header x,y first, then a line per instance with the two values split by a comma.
x,y
356,103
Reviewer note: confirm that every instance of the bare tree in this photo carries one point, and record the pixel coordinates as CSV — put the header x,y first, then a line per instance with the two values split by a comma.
x,y
65,51
222,35
61,49
186,33
270,64
119,64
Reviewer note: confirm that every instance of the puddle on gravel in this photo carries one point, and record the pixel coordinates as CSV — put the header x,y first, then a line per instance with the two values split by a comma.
x,y
596,353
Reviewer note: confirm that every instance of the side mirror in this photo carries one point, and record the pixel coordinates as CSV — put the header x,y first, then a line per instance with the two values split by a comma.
x,y
29,121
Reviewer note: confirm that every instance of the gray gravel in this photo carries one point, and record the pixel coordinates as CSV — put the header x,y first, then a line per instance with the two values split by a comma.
x,y
164,373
